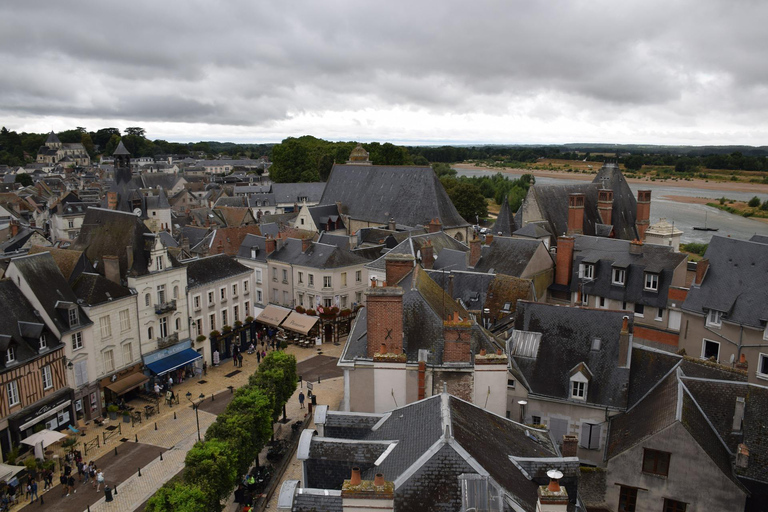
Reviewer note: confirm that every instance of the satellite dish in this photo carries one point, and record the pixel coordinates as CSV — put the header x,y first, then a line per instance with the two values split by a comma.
x,y
137,212
114,378
733,358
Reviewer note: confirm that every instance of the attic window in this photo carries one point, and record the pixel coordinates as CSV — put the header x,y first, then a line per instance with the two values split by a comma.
x,y
651,282
714,318
74,320
596,344
619,276
43,342
586,271
578,389
10,355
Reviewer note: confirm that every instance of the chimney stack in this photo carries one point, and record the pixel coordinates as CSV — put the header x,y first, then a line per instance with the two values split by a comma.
x,y
14,227
475,251
306,243
392,226
422,381
570,445
458,340
358,495
738,414
643,212
434,226
489,239
624,343
427,255
701,271
605,205
112,268
742,456
112,200
636,247
564,260
742,363
397,267
576,214
271,245
384,305
552,497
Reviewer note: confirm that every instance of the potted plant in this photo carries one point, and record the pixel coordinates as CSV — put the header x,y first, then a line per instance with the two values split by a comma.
x,y
226,329
200,338
311,312
300,309
126,416
248,319
214,334
112,410
70,443
238,324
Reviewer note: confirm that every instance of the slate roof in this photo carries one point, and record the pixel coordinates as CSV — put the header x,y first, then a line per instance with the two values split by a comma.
x,y
94,289
52,139
120,149
412,245
341,241
316,256
566,340
71,263
437,440
729,283
761,239
253,242
323,214
648,367
203,271
289,193
534,230
411,195
605,253
508,256
157,202
505,222
161,180
193,234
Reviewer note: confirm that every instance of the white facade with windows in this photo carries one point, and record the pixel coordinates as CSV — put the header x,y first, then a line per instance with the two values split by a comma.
x,y
340,287
115,335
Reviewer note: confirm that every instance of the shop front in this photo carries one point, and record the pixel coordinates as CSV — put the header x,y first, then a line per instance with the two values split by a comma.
x,y
179,361
55,412
273,315
304,326
123,384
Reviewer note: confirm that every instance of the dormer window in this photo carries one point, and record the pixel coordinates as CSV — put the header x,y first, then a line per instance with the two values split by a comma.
x,y
586,271
74,320
714,318
578,390
579,382
158,263
43,344
651,282
619,276
10,355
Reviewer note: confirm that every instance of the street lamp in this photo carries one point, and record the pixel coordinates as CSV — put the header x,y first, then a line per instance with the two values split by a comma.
x,y
195,406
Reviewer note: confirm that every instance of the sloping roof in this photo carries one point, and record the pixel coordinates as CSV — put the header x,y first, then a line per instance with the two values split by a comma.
x,y
120,149
52,139
157,202
229,240
94,289
203,271
251,242
70,262
235,217
317,255
322,214
412,244
505,222
509,256
567,336
290,193
729,283
341,241
411,195
761,239
649,366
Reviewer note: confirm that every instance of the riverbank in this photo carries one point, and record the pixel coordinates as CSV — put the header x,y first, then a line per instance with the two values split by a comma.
x,y
724,186
740,208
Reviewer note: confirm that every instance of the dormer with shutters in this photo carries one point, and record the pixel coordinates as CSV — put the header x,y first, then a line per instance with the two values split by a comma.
x,y
580,377
158,256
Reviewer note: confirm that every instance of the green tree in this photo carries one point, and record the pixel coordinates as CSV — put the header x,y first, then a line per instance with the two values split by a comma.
x,y
290,161
112,145
211,467
442,169
179,497
87,142
136,131
467,198
25,179
634,163
754,202
277,377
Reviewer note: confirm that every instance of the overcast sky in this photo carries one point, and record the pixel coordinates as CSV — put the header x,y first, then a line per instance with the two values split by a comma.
x,y
418,71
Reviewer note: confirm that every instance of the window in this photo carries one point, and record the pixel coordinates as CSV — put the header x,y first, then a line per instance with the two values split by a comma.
x,y
603,302
536,420
45,373
158,263
674,506
714,318
619,276
13,393
199,325
73,319
584,299
106,327
762,366
10,355
71,223
161,294
660,314
175,292
235,313
149,333
311,279
343,301
245,286
590,436
627,499
301,277
358,297
178,324
327,281
285,298
196,301
651,281
259,297
127,353
343,279
125,320
358,276
81,373
624,305
588,271
247,308
258,276
210,298
710,349
655,462
77,341
223,317
109,361
311,301
578,389
223,293
234,290
43,343
596,342
163,326
511,383
274,274
301,299
639,309
285,275
212,319
147,300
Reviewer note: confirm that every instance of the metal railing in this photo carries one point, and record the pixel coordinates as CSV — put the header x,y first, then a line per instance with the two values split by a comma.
x,y
167,341
165,307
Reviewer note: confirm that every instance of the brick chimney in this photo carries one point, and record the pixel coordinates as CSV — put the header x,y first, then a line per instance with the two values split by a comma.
x,y
489,239
398,265
422,380
552,497
427,255
576,214
570,445
14,227
112,200
643,212
358,495
306,243
458,340
270,245
475,251
112,268
384,305
701,271
434,226
605,205
636,247
624,343
564,260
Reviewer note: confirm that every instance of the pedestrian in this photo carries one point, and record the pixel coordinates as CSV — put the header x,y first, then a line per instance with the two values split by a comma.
x,y
67,470
92,471
63,480
28,490
33,492
301,399
170,382
157,388
234,355
80,471
205,367
258,357
87,472
263,354
71,484
240,359
99,479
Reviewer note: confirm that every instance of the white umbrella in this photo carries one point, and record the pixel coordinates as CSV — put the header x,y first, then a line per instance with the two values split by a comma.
x,y
7,471
42,439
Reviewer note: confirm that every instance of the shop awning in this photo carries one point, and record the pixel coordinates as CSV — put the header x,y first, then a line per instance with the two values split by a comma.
x,y
273,315
174,361
299,323
50,412
127,384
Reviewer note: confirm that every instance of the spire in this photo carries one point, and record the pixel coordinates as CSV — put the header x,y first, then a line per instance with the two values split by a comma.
x,y
120,149
52,139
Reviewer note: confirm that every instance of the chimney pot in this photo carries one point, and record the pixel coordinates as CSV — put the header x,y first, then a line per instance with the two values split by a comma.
x,y
383,349
625,324
378,480
488,239
482,352
355,479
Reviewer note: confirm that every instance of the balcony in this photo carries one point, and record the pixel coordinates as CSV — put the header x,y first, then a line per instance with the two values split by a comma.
x,y
168,341
165,307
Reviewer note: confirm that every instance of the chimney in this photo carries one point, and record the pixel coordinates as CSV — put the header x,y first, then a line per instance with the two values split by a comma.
x,y
458,340
701,271
112,268
306,243
570,445
738,414
384,305
552,497
392,226
271,245
434,226
742,456
605,205
358,495
636,247
643,212
489,239
129,258
474,251
422,380
112,200
575,214
397,267
624,343
564,260
427,255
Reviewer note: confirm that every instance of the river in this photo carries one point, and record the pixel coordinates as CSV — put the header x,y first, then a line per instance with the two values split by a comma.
x,y
683,215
